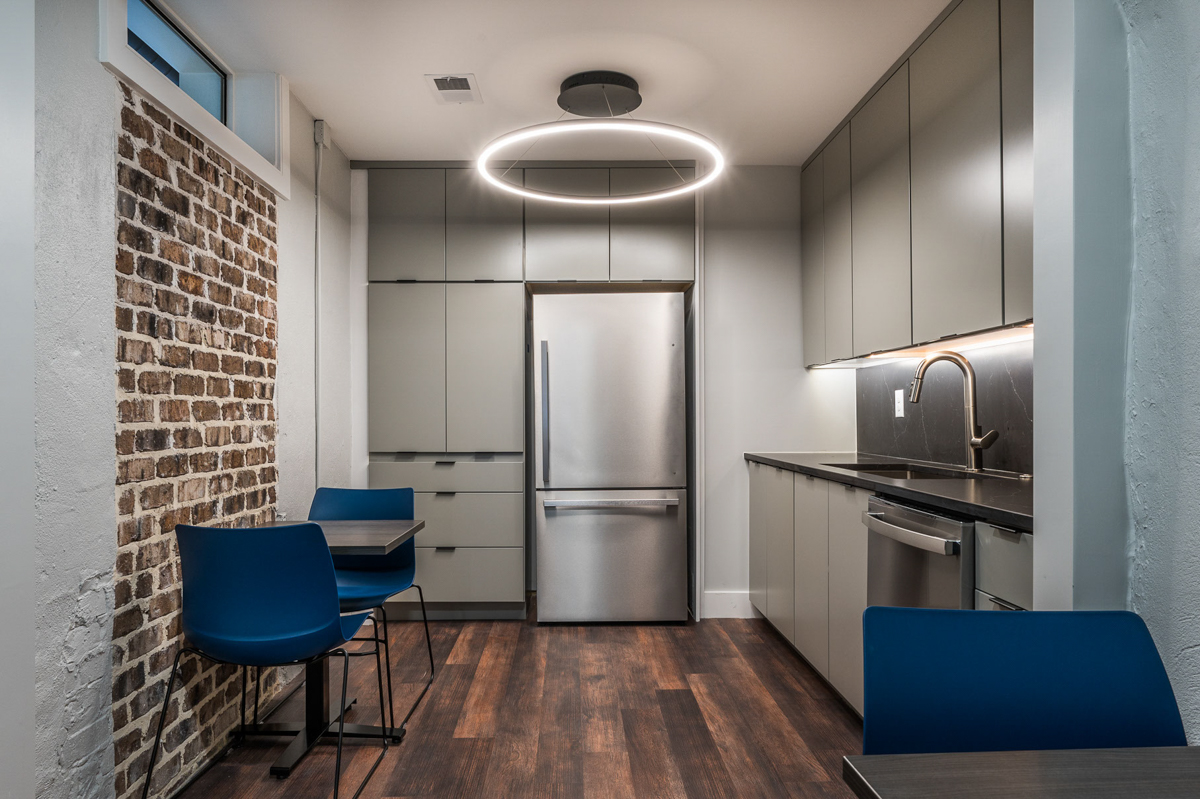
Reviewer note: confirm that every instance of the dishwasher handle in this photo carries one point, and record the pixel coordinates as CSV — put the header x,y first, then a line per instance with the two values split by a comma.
x,y
912,538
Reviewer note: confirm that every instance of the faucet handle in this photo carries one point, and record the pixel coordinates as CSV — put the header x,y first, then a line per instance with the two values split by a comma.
x,y
986,441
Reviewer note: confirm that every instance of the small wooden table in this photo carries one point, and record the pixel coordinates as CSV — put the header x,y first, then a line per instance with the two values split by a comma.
x,y
344,538
1152,773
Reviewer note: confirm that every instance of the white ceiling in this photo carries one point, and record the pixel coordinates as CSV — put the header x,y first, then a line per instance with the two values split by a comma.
x,y
766,79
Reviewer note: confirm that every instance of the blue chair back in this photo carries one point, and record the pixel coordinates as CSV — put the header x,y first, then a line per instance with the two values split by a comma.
x,y
976,681
258,596
367,504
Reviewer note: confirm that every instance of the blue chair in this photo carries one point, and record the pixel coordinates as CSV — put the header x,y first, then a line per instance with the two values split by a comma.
x,y
262,597
366,582
978,681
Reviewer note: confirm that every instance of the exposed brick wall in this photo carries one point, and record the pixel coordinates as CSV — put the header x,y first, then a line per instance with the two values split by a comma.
x,y
195,431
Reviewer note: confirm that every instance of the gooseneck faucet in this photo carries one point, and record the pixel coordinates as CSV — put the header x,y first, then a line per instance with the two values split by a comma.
x,y
976,441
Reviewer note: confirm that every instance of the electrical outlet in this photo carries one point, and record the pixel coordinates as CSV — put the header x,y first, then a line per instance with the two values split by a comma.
x,y
899,403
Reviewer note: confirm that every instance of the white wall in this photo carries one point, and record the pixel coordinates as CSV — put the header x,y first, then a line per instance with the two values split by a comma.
x,y
341,318
75,394
1082,261
1162,414
17,400
757,395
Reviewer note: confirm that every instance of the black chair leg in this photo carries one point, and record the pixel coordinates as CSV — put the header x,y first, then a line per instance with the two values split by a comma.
x,y
337,769
162,719
257,691
428,640
242,735
390,723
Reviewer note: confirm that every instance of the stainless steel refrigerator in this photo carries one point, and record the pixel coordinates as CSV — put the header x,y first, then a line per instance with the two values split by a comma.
x,y
610,457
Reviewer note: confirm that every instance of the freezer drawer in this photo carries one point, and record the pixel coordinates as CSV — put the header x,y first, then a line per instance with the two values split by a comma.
x,y
612,555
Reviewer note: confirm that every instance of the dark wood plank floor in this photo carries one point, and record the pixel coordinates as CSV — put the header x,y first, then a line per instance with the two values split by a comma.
x,y
722,708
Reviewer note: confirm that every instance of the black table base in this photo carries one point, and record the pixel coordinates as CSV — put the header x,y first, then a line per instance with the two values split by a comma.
x,y
320,723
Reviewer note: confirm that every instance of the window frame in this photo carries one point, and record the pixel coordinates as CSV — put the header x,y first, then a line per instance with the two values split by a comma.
x,y
208,56
262,120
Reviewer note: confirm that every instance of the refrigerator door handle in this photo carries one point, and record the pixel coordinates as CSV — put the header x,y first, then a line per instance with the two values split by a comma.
x,y
545,413
610,503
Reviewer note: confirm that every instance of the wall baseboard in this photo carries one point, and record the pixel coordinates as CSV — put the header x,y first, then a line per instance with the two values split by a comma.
x,y
728,605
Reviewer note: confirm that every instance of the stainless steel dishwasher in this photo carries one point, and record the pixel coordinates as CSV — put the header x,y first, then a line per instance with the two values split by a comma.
x,y
917,558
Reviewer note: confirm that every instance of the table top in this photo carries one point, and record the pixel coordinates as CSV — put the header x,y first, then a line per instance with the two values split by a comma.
x,y
1152,773
362,537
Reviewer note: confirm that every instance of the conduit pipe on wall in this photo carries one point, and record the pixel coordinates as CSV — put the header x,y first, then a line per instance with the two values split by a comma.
x,y
321,139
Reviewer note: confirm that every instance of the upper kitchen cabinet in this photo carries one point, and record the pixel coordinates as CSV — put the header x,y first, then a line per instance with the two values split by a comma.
x,y
485,367
957,223
882,276
812,261
656,240
566,242
1016,92
406,230
838,248
485,238
406,367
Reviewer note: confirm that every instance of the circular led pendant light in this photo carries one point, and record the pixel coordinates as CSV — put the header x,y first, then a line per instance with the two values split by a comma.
x,y
601,95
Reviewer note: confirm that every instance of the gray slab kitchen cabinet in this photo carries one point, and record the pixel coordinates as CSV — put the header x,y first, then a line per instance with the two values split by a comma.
x,y
485,233
781,597
485,367
812,260
406,367
759,524
406,224
880,222
957,268
811,524
566,242
771,536
655,240
847,590
1016,91
838,248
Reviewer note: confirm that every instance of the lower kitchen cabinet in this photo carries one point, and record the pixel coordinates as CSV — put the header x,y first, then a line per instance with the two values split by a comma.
x,y
758,535
471,574
808,569
771,578
847,590
812,570
471,520
781,601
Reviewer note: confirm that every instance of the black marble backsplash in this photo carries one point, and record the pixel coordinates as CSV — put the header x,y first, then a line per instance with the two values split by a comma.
x,y
932,430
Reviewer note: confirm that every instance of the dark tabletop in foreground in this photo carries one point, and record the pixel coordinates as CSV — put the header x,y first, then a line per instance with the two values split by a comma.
x,y
1002,501
1158,773
363,538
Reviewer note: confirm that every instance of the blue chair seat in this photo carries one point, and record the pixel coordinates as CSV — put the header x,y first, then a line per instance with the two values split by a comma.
x,y
270,650
364,590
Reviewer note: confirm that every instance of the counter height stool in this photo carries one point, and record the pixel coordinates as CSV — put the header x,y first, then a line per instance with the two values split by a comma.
x,y
259,597
366,582
989,681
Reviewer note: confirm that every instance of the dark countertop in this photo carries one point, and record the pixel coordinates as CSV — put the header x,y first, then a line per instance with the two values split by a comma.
x,y
1002,501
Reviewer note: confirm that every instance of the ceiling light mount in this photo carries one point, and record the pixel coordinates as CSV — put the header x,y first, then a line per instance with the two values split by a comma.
x,y
607,98
599,93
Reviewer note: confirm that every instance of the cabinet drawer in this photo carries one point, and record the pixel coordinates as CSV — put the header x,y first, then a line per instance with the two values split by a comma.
x,y
1004,564
485,574
447,475
471,520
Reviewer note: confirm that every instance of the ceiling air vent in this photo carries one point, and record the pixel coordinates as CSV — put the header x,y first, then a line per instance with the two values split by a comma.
x,y
454,89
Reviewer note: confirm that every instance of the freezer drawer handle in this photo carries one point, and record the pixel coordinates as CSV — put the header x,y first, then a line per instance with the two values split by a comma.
x,y
610,503
929,543
546,413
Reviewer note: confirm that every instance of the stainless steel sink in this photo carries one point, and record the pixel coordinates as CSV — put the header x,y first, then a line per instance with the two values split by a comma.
x,y
909,471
